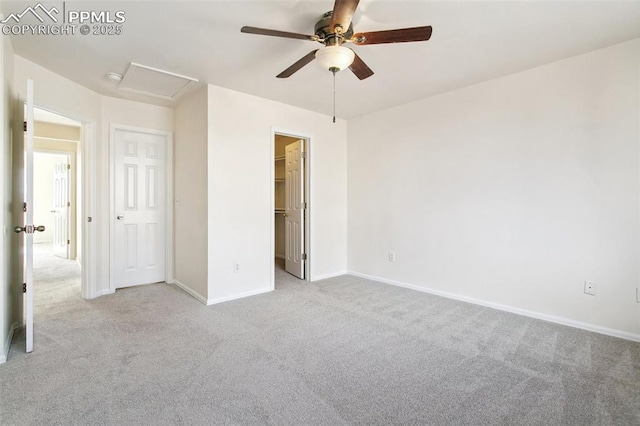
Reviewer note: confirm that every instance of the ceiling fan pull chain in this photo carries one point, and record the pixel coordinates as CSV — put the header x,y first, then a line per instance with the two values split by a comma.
x,y
334,96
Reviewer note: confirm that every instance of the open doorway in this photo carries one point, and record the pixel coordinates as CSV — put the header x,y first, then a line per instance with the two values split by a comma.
x,y
291,208
57,271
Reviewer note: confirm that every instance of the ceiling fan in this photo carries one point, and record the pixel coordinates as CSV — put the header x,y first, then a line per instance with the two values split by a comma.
x,y
334,29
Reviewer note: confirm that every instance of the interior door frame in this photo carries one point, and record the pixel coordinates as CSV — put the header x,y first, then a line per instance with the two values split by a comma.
x,y
308,147
86,209
168,249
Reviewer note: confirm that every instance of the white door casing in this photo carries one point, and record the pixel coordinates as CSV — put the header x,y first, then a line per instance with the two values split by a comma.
x,y
295,208
61,209
139,219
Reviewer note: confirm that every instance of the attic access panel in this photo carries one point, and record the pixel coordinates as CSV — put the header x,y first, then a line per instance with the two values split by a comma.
x,y
154,82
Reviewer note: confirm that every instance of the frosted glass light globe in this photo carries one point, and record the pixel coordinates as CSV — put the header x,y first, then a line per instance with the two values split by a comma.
x,y
338,57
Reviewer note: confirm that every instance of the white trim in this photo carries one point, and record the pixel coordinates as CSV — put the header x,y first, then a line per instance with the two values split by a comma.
x,y
272,209
85,156
191,81
193,293
168,265
506,308
89,245
238,296
327,276
169,212
104,292
4,356
308,216
45,138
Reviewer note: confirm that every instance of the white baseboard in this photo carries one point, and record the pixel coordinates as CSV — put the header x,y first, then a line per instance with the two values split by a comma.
x,y
532,314
7,345
327,276
238,296
193,293
104,293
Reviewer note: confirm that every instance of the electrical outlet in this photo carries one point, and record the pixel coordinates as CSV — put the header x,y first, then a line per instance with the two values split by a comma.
x,y
590,288
236,267
392,256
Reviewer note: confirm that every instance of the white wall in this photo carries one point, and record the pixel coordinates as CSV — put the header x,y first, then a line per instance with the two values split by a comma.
x,y
190,183
8,290
58,94
240,189
512,192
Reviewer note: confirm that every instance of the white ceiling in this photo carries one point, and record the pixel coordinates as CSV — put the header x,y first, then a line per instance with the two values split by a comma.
x,y
472,41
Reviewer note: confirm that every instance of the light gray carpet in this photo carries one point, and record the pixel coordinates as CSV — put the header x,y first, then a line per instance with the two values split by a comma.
x,y
339,351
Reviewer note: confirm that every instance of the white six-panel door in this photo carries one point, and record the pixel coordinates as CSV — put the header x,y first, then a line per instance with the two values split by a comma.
x,y
294,218
139,208
61,209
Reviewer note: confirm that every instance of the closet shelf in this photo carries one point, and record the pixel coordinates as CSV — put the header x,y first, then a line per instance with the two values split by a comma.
x,y
279,179
279,158
280,211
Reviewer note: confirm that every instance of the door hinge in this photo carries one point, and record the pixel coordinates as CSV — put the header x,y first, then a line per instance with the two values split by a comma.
x,y
304,256
24,207
303,205
304,154
24,125
24,287
68,203
68,241
68,166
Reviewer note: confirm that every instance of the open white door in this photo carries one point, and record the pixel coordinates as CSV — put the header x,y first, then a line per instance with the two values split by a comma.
x,y
295,208
25,189
61,208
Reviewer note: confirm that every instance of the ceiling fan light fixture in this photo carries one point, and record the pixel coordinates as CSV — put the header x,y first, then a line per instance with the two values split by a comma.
x,y
335,58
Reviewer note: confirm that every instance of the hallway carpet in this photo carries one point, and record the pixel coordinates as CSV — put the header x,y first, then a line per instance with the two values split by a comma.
x,y
335,352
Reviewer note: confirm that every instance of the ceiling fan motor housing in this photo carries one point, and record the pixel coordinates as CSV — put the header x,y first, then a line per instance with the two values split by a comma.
x,y
323,31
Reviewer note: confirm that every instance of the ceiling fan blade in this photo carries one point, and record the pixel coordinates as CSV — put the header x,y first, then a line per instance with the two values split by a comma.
x,y
393,36
360,69
299,64
275,33
343,11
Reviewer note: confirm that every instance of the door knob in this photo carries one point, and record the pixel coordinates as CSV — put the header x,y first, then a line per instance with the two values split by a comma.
x,y
29,229
119,217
